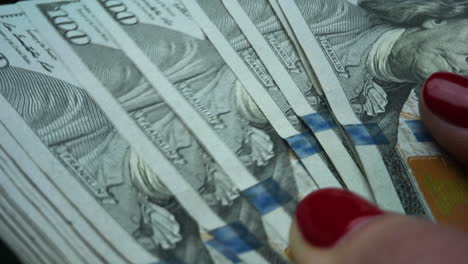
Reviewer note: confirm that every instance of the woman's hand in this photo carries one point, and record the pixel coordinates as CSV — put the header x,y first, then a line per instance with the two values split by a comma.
x,y
444,110
337,227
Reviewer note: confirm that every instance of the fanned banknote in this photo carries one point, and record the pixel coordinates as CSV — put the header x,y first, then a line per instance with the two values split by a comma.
x,y
236,209
186,131
25,229
34,217
349,47
20,237
28,74
292,37
76,143
267,99
269,39
231,127
199,73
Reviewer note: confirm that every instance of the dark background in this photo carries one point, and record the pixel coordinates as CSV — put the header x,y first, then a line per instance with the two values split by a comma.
x,y
10,258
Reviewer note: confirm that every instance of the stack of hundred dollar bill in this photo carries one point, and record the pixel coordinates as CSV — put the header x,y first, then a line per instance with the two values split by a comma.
x,y
186,131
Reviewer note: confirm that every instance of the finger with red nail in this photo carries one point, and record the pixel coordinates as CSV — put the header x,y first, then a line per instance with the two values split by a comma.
x,y
444,110
335,226
338,211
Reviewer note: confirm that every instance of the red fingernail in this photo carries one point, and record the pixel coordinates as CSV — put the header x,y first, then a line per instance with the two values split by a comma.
x,y
446,95
327,215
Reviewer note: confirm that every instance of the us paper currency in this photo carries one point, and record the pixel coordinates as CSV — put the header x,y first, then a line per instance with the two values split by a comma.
x,y
24,232
86,153
300,52
151,131
45,100
378,176
367,87
101,58
22,247
207,86
45,207
15,203
269,39
264,97
22,235
28,63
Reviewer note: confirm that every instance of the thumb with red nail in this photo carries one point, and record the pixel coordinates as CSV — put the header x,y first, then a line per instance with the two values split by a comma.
x,y
334,226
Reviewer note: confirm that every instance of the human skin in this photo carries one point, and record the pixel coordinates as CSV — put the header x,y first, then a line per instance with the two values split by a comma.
x,y
390,238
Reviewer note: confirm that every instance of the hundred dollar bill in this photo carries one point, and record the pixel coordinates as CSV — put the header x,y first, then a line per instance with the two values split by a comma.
x,y
21,201
11,234
356,53
371,160
228,124
239,122
269,39
42,200
25,59
73,141
24,230
99,62
15,235
24,236
300,52
264,99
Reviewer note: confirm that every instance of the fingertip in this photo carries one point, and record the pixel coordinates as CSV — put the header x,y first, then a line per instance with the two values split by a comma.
x,y
444,111
302,252
385,239
326,215
323,219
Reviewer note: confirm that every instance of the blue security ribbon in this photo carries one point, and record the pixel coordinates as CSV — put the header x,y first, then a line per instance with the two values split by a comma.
x,y
225,251
233,239
366,134
267,196
319,122
419,131
304,145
